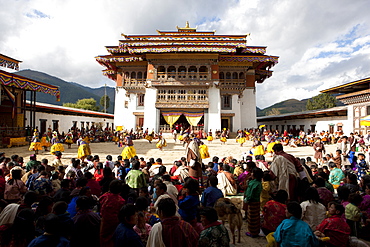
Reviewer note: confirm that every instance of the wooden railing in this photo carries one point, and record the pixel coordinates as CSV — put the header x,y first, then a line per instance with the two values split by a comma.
x,y
183,76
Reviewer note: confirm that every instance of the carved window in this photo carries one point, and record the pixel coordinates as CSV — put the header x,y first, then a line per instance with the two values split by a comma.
x,y
140,99
226,102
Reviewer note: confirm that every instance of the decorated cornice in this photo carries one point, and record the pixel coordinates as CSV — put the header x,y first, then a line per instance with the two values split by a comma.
x,y
267,73
260,50
182,105
181,49
183,43
12,80
186,36
9,64
272,59
106,59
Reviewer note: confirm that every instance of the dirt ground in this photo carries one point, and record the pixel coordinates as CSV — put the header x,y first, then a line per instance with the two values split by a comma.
x,y
173,151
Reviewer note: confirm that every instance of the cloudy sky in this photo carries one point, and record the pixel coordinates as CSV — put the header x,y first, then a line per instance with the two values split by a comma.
x,y
320,43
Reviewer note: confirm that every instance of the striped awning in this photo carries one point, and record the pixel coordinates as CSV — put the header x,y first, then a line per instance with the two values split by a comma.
x,y
12,80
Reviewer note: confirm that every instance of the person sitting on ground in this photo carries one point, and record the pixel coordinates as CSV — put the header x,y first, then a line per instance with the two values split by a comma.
x,y
351,183
334,227
336,175
274,212
353,213
214,234
171,231
51,236
226,181
171,189
212,193
110,204
135,178
325,195
66,223
14,187
294,231
313,212
86,226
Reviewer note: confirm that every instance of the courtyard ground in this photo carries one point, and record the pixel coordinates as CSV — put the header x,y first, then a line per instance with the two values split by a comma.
x,y
173,151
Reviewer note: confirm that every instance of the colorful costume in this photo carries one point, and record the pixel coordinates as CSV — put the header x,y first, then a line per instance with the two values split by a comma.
x,y
223,138
129,151
45,141
56,145
210,137
69,139
203,150
35,142
83,148
258,148
150,137
240,138
161,143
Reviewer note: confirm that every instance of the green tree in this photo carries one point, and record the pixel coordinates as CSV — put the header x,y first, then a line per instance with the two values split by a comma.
x,y
86,104
321,101
272,112
106,104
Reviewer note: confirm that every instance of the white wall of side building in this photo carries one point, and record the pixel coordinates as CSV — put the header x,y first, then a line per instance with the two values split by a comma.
x,y
65,122
248,111
151,113
322,124
123,112
214,111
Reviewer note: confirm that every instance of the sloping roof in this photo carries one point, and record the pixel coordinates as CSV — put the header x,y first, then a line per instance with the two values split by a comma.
x,y
350,87
17,81
56,109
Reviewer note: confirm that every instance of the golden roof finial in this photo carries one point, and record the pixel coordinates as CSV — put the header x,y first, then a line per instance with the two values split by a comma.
x,y
187,24
187,28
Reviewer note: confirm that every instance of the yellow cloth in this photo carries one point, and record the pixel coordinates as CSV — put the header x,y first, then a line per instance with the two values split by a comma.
x,y
209,138
203,150
56,147
271,242
180,138
44,142
128,152
269,147
193,121
69,141
241,140
171,119
35,146
223,139
83,151
259,150
161,144
149,138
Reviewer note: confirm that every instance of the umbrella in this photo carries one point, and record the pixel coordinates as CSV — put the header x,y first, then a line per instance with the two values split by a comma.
x,y
365,121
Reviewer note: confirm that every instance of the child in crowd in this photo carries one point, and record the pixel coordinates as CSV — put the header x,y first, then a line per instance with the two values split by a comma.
x,y
142,228
353,213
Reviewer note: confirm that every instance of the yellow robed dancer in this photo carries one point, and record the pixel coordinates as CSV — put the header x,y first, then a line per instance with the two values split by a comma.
x,y
45,141
56,145
128,151
240,138
203,150
35,142
150,137
161,143
210,136
69,139
83,149
258,148
223,138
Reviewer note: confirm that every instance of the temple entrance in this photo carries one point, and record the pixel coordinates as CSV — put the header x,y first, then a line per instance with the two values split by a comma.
x,y
193,119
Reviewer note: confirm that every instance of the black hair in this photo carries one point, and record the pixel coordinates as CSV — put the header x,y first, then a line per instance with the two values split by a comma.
x,y
320,182
162,170
126,212
339,151
278,147
81,182
338,207
166,177
89,157
192,185
281,196
162,186
60,207
209,213
215,159
141,203
257,173
115,186
324,175
83,203
151,160
135,165
343,193
312,195
353,178
294,208
88,175
109,157
213,181
167,207
355,198
266,176
159,160
52,224
178,163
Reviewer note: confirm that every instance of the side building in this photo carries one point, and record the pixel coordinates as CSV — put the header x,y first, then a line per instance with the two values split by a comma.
x,y
186,78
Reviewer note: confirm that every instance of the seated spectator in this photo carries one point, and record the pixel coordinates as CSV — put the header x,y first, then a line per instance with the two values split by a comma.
x,y
353,213
142,228
214,234
313,212
325,195
110,204
334,227
294,231
86,226
351,183
125,234
336,175
212,193
171,189
66,223
172,231
64,192
93,184
274,212
226,182
51,236
14,187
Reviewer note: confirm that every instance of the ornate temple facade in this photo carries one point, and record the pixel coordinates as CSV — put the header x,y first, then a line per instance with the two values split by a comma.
x,y
197,77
